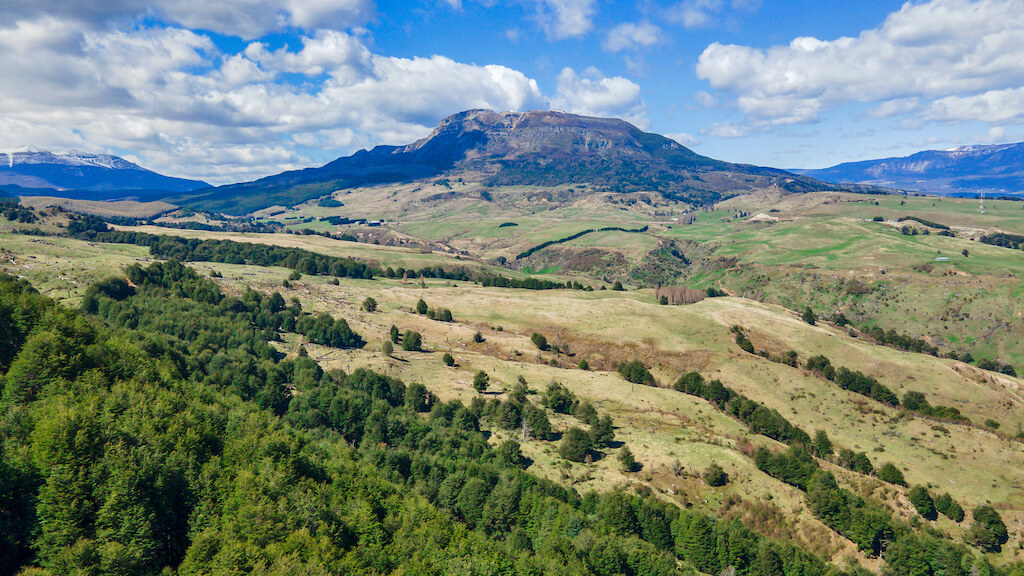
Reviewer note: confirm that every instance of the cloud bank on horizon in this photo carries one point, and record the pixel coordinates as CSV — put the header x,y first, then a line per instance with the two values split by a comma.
x,y
239,89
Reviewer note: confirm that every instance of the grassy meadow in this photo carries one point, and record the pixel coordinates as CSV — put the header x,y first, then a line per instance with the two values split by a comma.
x,y
825,252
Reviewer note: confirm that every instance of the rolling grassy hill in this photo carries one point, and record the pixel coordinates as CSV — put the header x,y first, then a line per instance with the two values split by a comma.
x,y
674,436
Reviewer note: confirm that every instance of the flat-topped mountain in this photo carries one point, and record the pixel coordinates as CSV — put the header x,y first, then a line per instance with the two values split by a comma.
x,y
995,169
82,175
540,148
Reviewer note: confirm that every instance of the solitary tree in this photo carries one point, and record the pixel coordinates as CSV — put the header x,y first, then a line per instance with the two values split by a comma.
x,y
369,304
449,360
421,307
394,333
809,316
891,474
618,286
480,381
626,459
387,348
714,475
539,341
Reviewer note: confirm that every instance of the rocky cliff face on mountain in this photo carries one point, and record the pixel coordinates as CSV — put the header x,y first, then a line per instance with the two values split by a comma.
x,y
82,175
996,169
540,148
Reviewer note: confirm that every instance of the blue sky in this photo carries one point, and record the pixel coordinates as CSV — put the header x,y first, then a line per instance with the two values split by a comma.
x,y
237,89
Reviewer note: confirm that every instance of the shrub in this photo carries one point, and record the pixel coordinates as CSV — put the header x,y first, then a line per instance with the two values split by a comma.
x,y
809,316
369,304
478,337
448,359
583,364
393,333
744,344
539,341
387,348
421,307
714,475
618,286
891,474
635,372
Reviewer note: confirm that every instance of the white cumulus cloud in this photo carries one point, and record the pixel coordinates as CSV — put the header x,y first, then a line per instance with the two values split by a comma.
x,y
243,18
593,94
958,59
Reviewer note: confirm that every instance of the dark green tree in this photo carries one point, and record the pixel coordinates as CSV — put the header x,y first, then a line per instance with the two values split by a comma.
x,y
448,359
481,381
987,532
509,454
922,502
559,399
822,446
626,459
537,420
714,475
602,432
809,316
539,341
945,504
421,307
369,304
635,372
575,446
412,341
891,474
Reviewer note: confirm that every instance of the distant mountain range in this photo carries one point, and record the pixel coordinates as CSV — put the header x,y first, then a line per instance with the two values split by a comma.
x,y
84,176
542,148
996,169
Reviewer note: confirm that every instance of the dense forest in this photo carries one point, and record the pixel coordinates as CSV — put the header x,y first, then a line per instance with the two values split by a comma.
x,y
158,430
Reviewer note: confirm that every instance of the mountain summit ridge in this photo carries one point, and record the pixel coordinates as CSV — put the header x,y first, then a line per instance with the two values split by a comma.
x,y
84,175
990,168
536,148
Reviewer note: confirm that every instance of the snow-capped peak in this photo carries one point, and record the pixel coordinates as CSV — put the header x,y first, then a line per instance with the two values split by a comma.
x,y
32,155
